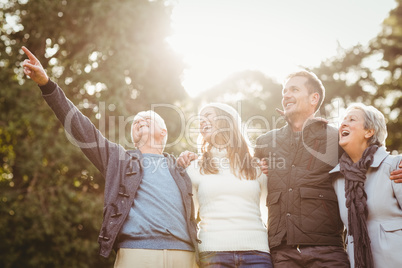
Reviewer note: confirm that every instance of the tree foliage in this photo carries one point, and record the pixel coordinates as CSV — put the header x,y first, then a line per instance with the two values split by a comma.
x,y
388,44
112,61
255,97
370,74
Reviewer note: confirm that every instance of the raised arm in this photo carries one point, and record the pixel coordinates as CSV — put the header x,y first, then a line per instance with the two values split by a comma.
x,y
82,132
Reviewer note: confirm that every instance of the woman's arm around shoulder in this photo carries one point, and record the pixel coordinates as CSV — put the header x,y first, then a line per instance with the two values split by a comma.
x,y
397,186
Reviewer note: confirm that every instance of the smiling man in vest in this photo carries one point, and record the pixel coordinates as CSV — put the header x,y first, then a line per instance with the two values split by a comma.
x,y
304,226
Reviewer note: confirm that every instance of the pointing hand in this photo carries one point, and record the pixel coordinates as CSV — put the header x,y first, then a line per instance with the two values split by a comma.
x,y
34,69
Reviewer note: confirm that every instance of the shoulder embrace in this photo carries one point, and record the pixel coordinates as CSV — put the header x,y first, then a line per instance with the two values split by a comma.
x,y
393,161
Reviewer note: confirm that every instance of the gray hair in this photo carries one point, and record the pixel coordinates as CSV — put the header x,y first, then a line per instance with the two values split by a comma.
x,y
373,119
156,118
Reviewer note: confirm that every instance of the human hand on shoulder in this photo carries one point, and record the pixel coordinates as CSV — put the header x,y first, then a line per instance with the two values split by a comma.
x,y
396,175
185,158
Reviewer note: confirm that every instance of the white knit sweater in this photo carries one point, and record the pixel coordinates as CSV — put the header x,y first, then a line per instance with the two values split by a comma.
x,y
230,208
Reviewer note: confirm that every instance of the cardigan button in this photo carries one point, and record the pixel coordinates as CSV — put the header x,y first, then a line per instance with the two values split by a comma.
x,y
124,194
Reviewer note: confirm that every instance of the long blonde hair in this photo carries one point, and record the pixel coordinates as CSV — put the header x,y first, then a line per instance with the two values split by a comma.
x,y
240,159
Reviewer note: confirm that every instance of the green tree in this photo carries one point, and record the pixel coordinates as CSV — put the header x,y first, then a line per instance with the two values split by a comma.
x,y
370,74
254,95
388,45
111,59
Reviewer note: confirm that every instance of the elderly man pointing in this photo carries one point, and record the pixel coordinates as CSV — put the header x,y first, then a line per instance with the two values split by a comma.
x,y
148,211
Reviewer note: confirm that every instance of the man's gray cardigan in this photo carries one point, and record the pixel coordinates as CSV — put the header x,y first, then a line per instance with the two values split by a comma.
x,y
121,169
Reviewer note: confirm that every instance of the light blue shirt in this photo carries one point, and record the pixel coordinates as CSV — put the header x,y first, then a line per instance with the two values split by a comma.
x,y
157,217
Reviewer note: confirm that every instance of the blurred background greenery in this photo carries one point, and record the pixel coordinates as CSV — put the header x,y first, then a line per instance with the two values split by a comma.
x,y
112,60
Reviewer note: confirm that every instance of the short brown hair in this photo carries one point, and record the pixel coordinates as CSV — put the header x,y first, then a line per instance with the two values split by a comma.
x,y
313,84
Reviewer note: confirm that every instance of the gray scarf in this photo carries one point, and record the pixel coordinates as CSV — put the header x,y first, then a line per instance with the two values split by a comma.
x,y
356,202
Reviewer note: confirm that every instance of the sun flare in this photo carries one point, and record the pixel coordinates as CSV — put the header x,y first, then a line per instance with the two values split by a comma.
x,y
218,38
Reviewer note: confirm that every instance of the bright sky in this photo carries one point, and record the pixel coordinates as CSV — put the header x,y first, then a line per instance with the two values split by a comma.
x,y
220,37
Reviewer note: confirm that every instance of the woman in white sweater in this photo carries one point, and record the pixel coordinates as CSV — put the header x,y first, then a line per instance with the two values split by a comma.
x,y
229,193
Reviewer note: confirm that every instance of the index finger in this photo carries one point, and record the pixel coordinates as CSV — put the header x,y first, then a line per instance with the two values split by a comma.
x,y
29,54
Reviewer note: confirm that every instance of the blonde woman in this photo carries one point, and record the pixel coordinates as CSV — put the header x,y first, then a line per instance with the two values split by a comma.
x,y
229,193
